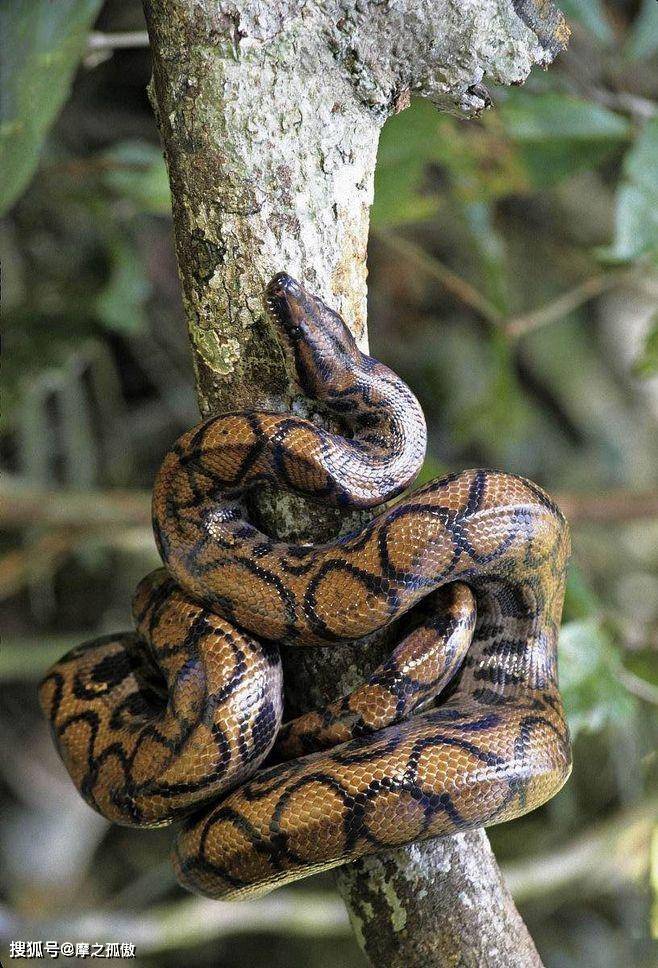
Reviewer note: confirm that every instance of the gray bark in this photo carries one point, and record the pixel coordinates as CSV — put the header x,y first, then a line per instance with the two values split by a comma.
x,y
270,113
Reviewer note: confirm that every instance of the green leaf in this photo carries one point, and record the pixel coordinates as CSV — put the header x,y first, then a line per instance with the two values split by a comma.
x,y
646,364
636,217
643,37
490,246
558,134
120,305
653,874
591,15
544,117
136,170
643,664
594,697
43,42
409,142
580,601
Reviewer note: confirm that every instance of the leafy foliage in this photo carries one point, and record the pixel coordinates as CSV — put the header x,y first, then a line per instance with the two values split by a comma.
x,y
558,134
135,171
593,693
42,46
647,363
636,223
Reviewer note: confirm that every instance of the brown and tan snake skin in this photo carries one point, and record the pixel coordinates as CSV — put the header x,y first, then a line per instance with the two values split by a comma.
x,y
176,719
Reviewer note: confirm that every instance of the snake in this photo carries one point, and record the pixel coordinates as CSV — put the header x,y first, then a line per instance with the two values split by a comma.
x,y
461,726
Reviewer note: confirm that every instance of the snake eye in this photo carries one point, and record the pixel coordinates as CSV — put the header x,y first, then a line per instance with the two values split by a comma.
x,y
295,332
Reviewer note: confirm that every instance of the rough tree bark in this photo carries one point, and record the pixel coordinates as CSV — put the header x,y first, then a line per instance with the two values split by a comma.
x,y
270,113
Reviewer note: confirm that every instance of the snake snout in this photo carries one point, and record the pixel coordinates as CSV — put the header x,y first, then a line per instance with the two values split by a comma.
x,y
283,283
286,301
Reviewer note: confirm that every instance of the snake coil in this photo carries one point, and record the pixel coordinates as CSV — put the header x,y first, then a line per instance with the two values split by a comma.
x,y
174,720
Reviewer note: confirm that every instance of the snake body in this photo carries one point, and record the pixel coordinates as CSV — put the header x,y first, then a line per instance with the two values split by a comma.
x,y
176,719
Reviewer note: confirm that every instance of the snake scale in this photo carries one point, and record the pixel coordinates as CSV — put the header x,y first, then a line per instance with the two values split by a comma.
x,y
182,718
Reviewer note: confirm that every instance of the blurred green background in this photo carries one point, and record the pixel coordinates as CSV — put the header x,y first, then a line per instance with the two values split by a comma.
x,y
513,284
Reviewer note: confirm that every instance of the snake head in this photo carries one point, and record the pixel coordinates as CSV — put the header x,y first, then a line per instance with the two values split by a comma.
x,y
325,350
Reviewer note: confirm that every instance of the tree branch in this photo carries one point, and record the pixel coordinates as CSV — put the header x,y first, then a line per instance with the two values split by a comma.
x,y
117,41
515,327
190,922
270,114
92,511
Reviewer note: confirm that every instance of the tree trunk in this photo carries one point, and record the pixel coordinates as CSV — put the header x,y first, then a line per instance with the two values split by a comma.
x,y
270,113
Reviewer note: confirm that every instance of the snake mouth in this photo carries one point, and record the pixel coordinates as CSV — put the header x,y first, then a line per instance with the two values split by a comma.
x,y
283,283
284,300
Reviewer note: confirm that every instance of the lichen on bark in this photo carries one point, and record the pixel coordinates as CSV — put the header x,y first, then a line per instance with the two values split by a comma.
x,y
270,113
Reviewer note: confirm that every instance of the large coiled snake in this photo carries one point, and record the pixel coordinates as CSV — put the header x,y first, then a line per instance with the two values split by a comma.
x,y
177,718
